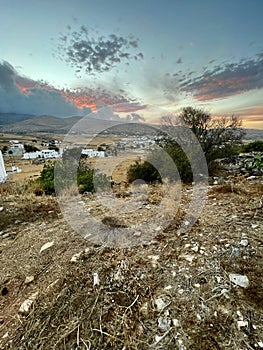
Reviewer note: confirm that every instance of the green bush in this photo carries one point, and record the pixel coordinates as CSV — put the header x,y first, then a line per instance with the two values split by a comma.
x,y
255,146
171,162
68,173
144,171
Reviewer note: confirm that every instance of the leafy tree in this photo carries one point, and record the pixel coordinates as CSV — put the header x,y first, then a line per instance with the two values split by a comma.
x,y
218,137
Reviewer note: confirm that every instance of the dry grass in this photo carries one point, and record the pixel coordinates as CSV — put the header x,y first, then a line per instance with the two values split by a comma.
x,y
200,308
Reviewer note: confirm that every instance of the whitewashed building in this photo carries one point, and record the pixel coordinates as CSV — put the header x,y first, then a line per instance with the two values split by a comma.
x,y
16,148
90,153
45,154
3,174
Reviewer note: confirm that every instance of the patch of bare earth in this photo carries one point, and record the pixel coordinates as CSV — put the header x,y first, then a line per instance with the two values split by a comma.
x,y
170,292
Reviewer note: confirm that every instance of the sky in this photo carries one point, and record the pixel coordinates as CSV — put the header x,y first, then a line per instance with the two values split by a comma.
x,y
140,58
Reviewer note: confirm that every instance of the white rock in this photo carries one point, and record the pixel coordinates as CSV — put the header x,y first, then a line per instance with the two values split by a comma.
x,y
75,257
154,259
1,209
244,242
168,287
241,324
25,307
254,225
46,246
240,316
158,338
96,280
164,323
176,323
189,257
260,344
160,304
239,280
29,279
137,234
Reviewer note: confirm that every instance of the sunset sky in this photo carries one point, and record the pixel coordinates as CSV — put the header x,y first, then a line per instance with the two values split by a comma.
x,y
70,57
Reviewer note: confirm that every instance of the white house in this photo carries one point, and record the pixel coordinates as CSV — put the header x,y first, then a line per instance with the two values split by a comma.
x,y
91,153
16,148
3,174
45,153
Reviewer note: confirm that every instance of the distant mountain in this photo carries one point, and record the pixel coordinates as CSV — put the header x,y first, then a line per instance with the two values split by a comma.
x,y
51,124
253,134
11,118
23,123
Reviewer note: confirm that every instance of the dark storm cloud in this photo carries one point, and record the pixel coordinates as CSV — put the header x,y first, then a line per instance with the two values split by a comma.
x,y
226,80
86,51
22,95
19,94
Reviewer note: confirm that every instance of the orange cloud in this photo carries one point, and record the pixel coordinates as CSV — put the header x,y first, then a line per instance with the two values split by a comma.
x,y
84,98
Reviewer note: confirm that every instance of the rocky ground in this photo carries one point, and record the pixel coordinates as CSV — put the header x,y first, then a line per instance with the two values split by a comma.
x,y
200,288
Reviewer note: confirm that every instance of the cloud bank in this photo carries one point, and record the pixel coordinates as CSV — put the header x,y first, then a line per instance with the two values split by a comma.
x,y
23,95
225,80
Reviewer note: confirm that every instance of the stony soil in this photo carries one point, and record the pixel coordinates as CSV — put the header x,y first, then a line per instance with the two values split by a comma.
x,y
172,291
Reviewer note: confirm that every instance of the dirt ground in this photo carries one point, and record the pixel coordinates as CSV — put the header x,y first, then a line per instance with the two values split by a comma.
x,y
173,291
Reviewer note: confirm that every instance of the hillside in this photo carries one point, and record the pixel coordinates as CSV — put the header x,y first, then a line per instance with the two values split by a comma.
x,y
12,118
174,291
50,124
21,124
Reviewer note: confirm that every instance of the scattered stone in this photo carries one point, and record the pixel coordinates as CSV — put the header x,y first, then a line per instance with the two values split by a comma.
x,y
25,307
137,234
254,225
158,338
195,248
29,279
164,323
96,280
244,242
168,287
77,256
176,323
188,257
160,304
46,246
239,280
241,324
154,259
